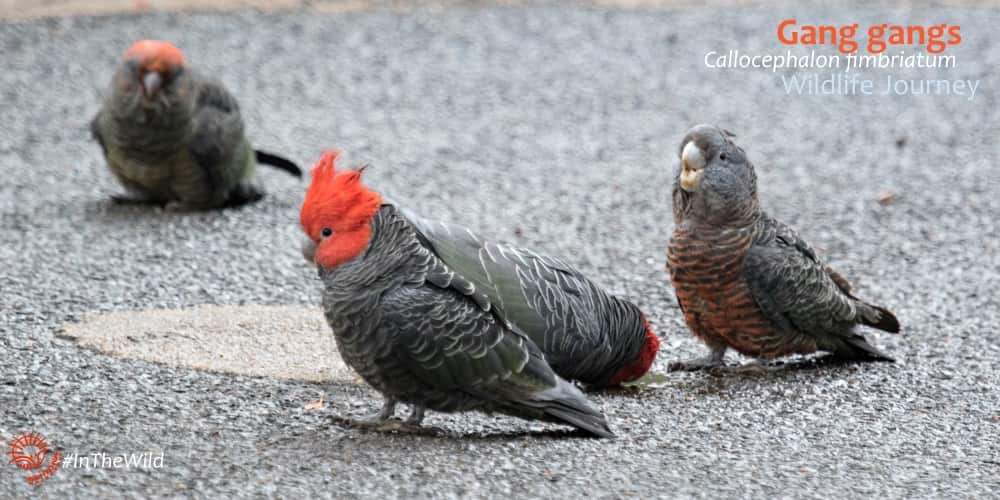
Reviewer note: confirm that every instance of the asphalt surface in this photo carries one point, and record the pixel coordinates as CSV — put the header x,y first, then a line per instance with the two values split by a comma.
x,y
554,127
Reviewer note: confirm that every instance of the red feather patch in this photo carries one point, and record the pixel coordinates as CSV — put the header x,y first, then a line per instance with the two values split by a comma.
x,y
639,367
155,55
341,203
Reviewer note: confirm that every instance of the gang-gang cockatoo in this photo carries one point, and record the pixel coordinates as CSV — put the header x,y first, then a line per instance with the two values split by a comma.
x,y
415,329
174,137
746,281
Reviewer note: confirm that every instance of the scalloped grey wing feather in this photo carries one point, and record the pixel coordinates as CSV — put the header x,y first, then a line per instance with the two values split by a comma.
x,y
801,298
462,354
518,283
219,145
542,297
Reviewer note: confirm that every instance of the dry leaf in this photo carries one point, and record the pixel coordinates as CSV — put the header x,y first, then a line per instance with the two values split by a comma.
x,y
886,198
315,405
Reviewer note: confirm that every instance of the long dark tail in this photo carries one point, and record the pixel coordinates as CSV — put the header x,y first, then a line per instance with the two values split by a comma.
x,y
278,162
566,403
881,318
857,348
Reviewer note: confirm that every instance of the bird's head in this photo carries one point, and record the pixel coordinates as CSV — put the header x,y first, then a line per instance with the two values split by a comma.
x,y
643,361
152,67
715,182
337,214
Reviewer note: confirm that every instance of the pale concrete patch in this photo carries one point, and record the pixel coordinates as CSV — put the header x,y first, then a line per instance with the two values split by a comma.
x,y
288,342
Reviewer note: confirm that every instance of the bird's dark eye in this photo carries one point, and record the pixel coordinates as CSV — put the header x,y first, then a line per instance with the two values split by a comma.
x,y
723,156
326,232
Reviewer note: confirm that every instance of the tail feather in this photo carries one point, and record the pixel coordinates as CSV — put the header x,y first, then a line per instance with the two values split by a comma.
x,y
881,318
595,425
856,347
566,403
278,162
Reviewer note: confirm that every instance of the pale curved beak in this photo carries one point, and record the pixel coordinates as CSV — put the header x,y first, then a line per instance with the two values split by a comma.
x,y
151,83
692,167
309,250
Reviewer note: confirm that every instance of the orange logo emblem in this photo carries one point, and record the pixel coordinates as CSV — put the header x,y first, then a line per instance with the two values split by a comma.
x,y
28,452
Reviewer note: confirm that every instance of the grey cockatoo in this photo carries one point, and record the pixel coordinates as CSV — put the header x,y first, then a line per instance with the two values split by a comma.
x,y
411,326
175,137
747,281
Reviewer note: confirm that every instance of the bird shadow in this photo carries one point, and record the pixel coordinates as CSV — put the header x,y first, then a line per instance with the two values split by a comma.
x,y
398,427
118,208
113,211
728,375
784,367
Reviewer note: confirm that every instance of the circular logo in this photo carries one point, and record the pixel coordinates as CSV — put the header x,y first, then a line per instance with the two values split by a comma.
x,y
28,452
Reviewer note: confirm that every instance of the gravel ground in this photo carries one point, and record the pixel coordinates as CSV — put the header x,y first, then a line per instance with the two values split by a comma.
x,y
552,126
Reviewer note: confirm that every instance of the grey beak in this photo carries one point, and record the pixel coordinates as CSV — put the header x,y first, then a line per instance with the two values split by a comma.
x,y
151,83
309,250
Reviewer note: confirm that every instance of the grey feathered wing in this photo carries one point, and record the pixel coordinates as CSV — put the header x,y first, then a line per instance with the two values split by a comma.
x,y
219,139
445,336
543,297
218,145
805,301
95,131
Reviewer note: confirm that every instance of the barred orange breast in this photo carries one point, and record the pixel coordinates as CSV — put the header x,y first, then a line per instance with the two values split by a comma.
x,y
706,270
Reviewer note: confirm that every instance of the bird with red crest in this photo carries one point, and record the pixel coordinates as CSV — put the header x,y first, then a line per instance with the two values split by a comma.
x,y
425,322
173,136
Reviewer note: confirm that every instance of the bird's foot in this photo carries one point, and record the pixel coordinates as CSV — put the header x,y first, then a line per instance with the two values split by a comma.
x,y
416,416
383,415
408,427
389,425
708,363
712,362
752,368
365,423
383,421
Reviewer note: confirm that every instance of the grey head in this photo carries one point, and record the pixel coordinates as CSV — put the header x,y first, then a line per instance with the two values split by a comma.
x,y
715,183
